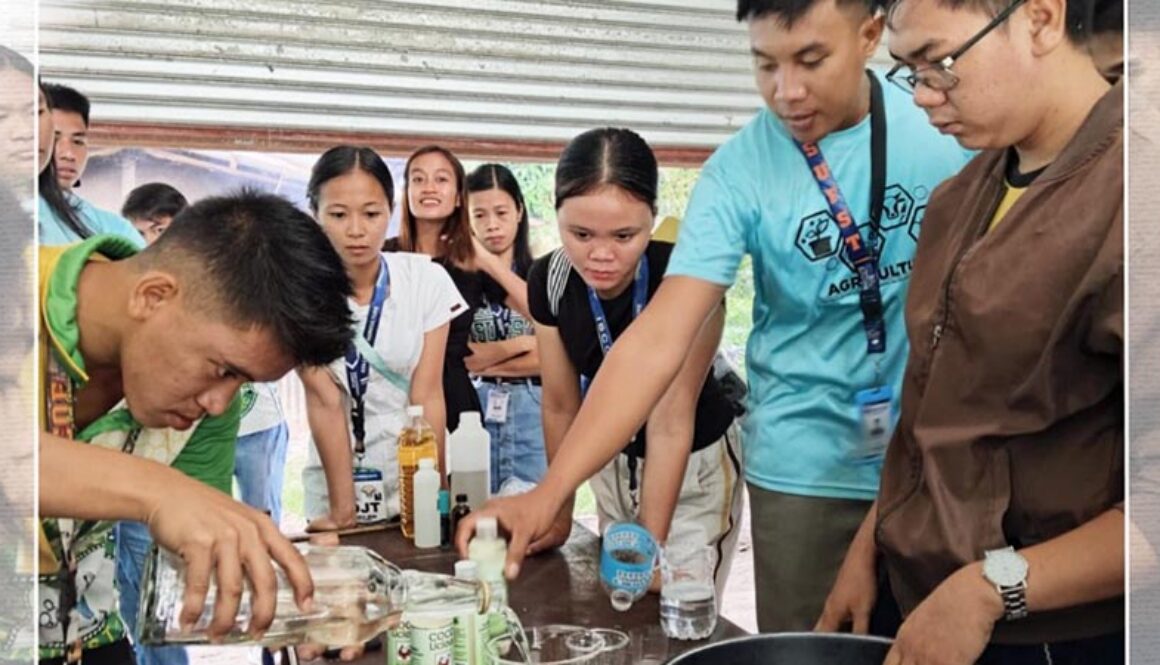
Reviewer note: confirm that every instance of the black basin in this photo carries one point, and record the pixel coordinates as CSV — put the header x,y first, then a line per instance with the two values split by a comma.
x,y
790,649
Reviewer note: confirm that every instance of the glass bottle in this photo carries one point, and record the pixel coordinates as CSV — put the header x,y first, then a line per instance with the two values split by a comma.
x,y
357,595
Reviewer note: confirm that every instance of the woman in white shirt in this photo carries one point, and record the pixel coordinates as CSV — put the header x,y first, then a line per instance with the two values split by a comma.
x,y
412,300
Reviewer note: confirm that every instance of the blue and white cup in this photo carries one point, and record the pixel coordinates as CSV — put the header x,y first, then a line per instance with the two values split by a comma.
x,y
628,558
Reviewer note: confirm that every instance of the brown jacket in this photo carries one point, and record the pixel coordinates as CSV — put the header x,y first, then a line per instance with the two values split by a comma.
x,y
1012,425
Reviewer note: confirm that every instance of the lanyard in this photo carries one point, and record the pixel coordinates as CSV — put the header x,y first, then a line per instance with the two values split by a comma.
x,y
861,254
61,419
604,333
357,367
639,298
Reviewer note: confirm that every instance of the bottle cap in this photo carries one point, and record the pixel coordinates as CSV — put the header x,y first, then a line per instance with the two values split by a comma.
x,y
467,570
444,501
486,528
473,418
415,411
460,498
426,463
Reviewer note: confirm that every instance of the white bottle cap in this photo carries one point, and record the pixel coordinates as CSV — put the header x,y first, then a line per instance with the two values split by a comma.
x,y
426,463
467,570
486,528
473,418
415,410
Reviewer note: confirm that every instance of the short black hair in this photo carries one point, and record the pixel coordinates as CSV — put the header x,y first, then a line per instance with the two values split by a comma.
x,y
789,11
64,98
152,201
258,260
1078,15
1107,16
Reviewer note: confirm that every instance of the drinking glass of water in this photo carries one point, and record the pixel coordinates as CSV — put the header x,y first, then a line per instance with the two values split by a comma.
x,y
688,596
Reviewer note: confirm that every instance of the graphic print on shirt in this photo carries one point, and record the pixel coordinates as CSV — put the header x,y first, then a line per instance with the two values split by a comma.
x,y
819,240
496,322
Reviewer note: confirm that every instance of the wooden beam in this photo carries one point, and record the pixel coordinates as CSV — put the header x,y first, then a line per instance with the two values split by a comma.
x,y
196,137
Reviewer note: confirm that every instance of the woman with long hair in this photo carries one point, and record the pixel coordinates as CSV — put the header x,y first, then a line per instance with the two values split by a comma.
x,y
434,222
503,357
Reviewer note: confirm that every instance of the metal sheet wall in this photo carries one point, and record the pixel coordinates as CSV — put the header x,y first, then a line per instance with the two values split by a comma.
x,y
233,72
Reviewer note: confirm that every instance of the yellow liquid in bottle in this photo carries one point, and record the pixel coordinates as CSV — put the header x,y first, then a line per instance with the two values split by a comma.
x,y
414,445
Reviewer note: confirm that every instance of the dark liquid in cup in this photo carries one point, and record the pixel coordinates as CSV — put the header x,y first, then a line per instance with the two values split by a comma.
x,y
629,556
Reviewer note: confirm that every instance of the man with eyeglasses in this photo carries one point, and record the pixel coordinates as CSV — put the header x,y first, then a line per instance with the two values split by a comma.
x,y
1000,518
825,190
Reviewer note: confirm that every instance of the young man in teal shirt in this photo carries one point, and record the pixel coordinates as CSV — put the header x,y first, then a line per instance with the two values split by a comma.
x,y
825,355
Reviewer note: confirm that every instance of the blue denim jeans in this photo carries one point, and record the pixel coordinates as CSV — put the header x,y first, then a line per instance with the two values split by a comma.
x,y
517,446
259,465
133,542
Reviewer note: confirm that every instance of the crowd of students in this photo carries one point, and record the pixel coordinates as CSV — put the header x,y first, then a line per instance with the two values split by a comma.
x,y
932,444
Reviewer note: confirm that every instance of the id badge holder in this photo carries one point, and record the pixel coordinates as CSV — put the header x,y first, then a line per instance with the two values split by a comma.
x,y
370,501
874,413
497,405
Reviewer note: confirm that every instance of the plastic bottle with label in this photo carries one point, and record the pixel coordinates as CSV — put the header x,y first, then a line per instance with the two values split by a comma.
x,y
416,442
489,552
426,486
469,460
471,628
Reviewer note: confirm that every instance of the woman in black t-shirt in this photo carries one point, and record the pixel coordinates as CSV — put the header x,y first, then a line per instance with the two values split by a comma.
x,y
504,359
434,222
582,297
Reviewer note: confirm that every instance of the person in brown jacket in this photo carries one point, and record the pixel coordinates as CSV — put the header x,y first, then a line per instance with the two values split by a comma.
x,y
999,521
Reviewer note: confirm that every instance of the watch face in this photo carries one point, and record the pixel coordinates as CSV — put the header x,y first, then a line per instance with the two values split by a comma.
x,y
1005,568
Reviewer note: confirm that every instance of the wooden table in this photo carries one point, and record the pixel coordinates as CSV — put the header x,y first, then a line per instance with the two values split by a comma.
x,y
556,587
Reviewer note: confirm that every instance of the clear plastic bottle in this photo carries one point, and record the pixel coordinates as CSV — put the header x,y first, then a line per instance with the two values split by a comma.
x,y
357,595
426,488
416,442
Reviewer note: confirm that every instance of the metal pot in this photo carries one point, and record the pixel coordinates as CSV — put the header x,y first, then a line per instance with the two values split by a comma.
x,y
790,649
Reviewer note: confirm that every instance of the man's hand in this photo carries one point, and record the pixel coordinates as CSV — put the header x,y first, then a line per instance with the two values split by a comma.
x,y
217,536
527,518
953,625
855,590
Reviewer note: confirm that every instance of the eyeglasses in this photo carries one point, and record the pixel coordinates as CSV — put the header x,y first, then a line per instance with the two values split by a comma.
x,y
938,75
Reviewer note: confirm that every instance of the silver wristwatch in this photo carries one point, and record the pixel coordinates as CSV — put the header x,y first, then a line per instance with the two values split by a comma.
x,y
1007,570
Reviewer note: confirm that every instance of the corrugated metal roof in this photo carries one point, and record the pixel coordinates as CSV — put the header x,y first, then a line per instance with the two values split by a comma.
x,y
503,70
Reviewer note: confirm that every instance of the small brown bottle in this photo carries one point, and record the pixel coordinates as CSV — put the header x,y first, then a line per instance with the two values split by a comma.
x,y
460,511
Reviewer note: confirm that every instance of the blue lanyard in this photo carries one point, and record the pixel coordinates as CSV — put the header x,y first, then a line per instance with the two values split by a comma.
x,y
861,255
639,298
357,367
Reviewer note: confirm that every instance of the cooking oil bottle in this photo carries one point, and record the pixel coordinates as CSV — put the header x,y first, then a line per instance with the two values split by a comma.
x,y
416,442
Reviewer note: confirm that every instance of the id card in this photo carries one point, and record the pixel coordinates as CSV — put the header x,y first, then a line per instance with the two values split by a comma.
x,y
370,502
497,405
874,411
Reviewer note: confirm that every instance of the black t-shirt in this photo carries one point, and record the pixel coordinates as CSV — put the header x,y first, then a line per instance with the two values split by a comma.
x,y
459,393
577,328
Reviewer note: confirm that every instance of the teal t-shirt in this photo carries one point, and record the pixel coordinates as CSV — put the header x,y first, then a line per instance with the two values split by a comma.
x,y
101,222
806,356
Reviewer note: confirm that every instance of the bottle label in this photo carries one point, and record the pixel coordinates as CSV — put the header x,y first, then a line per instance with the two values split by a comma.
x,y
399,645
370,500
432,641
464,649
